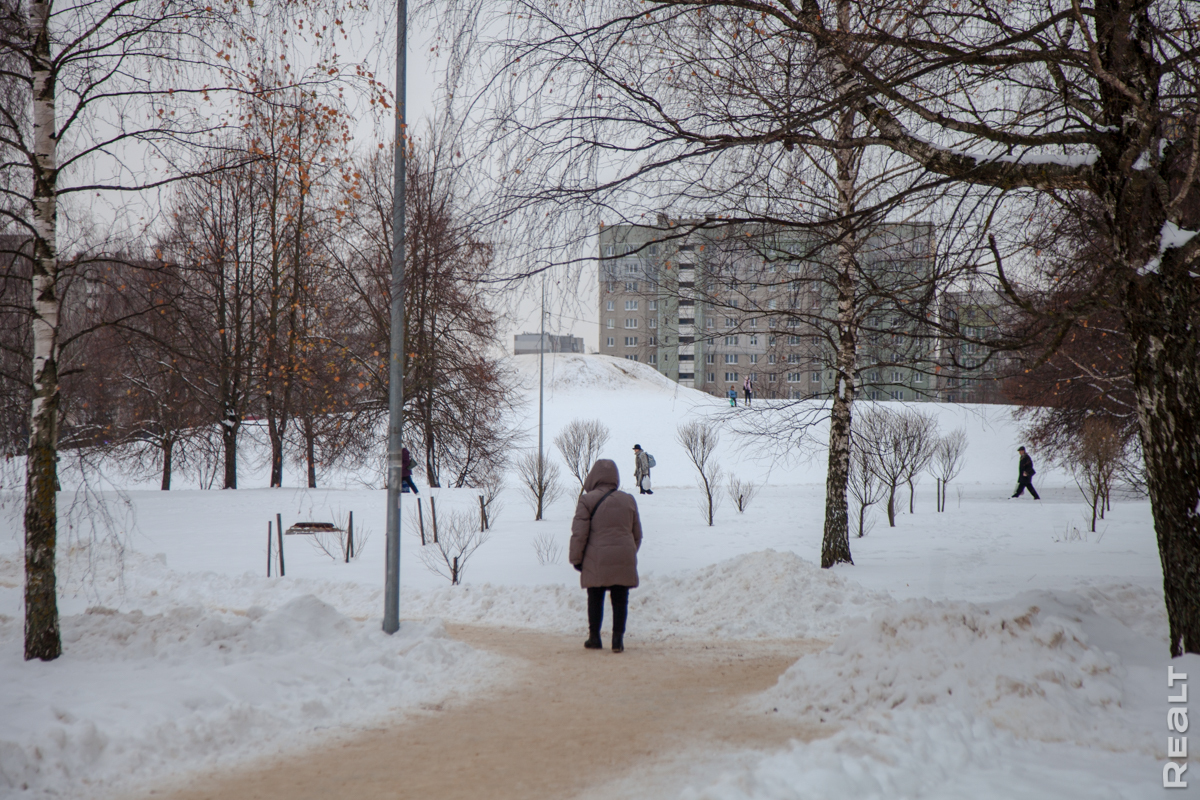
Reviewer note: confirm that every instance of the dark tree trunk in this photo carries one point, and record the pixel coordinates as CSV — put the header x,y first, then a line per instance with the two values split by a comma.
x,y
229,437
892,506
310,452
275,434
168,449
1162,319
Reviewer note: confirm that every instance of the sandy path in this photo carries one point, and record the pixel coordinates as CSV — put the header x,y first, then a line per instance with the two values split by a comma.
x,y
571,719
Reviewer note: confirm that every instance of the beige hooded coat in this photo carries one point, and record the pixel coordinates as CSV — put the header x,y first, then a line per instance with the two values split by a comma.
x,y
606,543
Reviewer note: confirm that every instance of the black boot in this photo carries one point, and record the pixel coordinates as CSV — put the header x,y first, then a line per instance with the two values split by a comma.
x,y
618,644
593,642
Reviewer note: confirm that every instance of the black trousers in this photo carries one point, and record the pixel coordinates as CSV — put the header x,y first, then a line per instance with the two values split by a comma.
x,y
620,606
1023,483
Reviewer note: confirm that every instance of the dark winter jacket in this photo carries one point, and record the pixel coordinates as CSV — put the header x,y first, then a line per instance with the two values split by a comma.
x,y
405,463
605,543
1026,470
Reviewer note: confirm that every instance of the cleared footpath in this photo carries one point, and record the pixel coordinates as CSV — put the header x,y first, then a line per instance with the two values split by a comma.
x,y
569,721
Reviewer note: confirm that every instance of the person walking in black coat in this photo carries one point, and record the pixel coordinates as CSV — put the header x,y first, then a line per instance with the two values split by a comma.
x,y
1025,473
406,481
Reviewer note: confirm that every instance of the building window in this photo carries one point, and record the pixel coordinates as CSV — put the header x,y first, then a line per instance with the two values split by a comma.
x,y
754,322
729,323
754,358
731,377
731,358
770,377
771,305
793,358
731,341
815,377
753,341
918,378
611,342
794,340
631,341
652,322
794,377
770,341
631,358
873,376
609,306
897,395
770,358
816,340
631,305
631,322
686,248
631,286
653,358
712,377
652,305
652,341
608,323
610,250
897,376
710,358
708,323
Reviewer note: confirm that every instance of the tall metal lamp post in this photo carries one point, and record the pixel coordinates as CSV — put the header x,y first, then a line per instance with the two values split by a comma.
x,y
391,588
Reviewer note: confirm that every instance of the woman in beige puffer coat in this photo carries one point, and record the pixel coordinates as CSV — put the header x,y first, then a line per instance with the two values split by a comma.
x,y
605,536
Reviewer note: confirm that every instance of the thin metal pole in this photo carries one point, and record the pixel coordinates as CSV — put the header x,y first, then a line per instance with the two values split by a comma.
x,y
541,392
541,369
391,589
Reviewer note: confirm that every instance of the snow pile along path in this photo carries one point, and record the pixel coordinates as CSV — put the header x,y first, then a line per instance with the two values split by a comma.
x,y
139,695
932,755
1027,664
767,594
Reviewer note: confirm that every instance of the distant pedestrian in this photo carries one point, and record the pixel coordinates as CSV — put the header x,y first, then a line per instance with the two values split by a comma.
x,y
406,481
641,469
732,394
748,388
605,536
1025,473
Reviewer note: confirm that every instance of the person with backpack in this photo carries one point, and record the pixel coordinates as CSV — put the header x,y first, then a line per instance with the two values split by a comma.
x,y
606,534
642,462
1025,473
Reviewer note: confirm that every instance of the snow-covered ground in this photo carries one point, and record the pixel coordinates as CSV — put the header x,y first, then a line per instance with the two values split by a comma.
x,y
994,650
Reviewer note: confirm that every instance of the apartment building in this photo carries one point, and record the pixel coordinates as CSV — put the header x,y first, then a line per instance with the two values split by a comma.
x,y
710,309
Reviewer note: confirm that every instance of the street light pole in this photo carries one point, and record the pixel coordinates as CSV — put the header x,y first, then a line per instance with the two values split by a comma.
x,y
391,589
541,392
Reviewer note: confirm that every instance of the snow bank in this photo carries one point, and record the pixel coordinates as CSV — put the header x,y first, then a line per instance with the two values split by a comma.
x,y
199,685
1026,664
931,755
767,594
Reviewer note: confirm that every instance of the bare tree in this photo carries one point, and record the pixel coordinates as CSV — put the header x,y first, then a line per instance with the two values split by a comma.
x,y
580,444
883,434
1095,459
458,538
864,484
920,439
540,480
741,492
699,439
948,455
